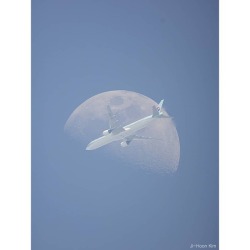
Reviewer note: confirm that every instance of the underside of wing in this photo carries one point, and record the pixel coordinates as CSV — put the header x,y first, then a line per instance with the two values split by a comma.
x,y
140,137
112,118
130,138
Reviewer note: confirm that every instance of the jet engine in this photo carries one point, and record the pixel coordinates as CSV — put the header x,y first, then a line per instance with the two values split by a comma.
x,y
106,132
124,144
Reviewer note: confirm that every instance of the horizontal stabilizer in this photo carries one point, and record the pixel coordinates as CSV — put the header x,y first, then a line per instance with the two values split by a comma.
x,y
166,116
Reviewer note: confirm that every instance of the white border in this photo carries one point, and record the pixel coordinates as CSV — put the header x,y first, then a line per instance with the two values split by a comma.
x,y
15,127
234,124
15,124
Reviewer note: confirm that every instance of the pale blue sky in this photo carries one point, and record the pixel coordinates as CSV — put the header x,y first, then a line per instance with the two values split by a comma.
x,y
162,49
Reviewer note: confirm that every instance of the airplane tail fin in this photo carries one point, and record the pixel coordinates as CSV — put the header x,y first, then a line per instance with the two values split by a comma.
x,y
157,111
160,105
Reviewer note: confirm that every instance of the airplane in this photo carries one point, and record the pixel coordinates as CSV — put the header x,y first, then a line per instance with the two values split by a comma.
x,y
126,133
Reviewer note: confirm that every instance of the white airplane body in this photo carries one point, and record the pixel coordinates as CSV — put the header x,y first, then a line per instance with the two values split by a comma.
x,y
126,133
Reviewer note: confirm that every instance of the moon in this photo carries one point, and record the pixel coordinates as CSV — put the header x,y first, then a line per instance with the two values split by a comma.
x,y
90,119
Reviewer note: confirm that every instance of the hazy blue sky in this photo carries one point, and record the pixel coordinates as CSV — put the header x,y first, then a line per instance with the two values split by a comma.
x,y
162,49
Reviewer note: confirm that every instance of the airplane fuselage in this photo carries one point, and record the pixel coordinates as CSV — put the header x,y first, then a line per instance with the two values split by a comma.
x,y
127,131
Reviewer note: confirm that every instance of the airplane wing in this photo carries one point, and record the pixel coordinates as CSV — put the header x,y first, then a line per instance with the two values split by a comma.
x,y
130,138
112,118
140,137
